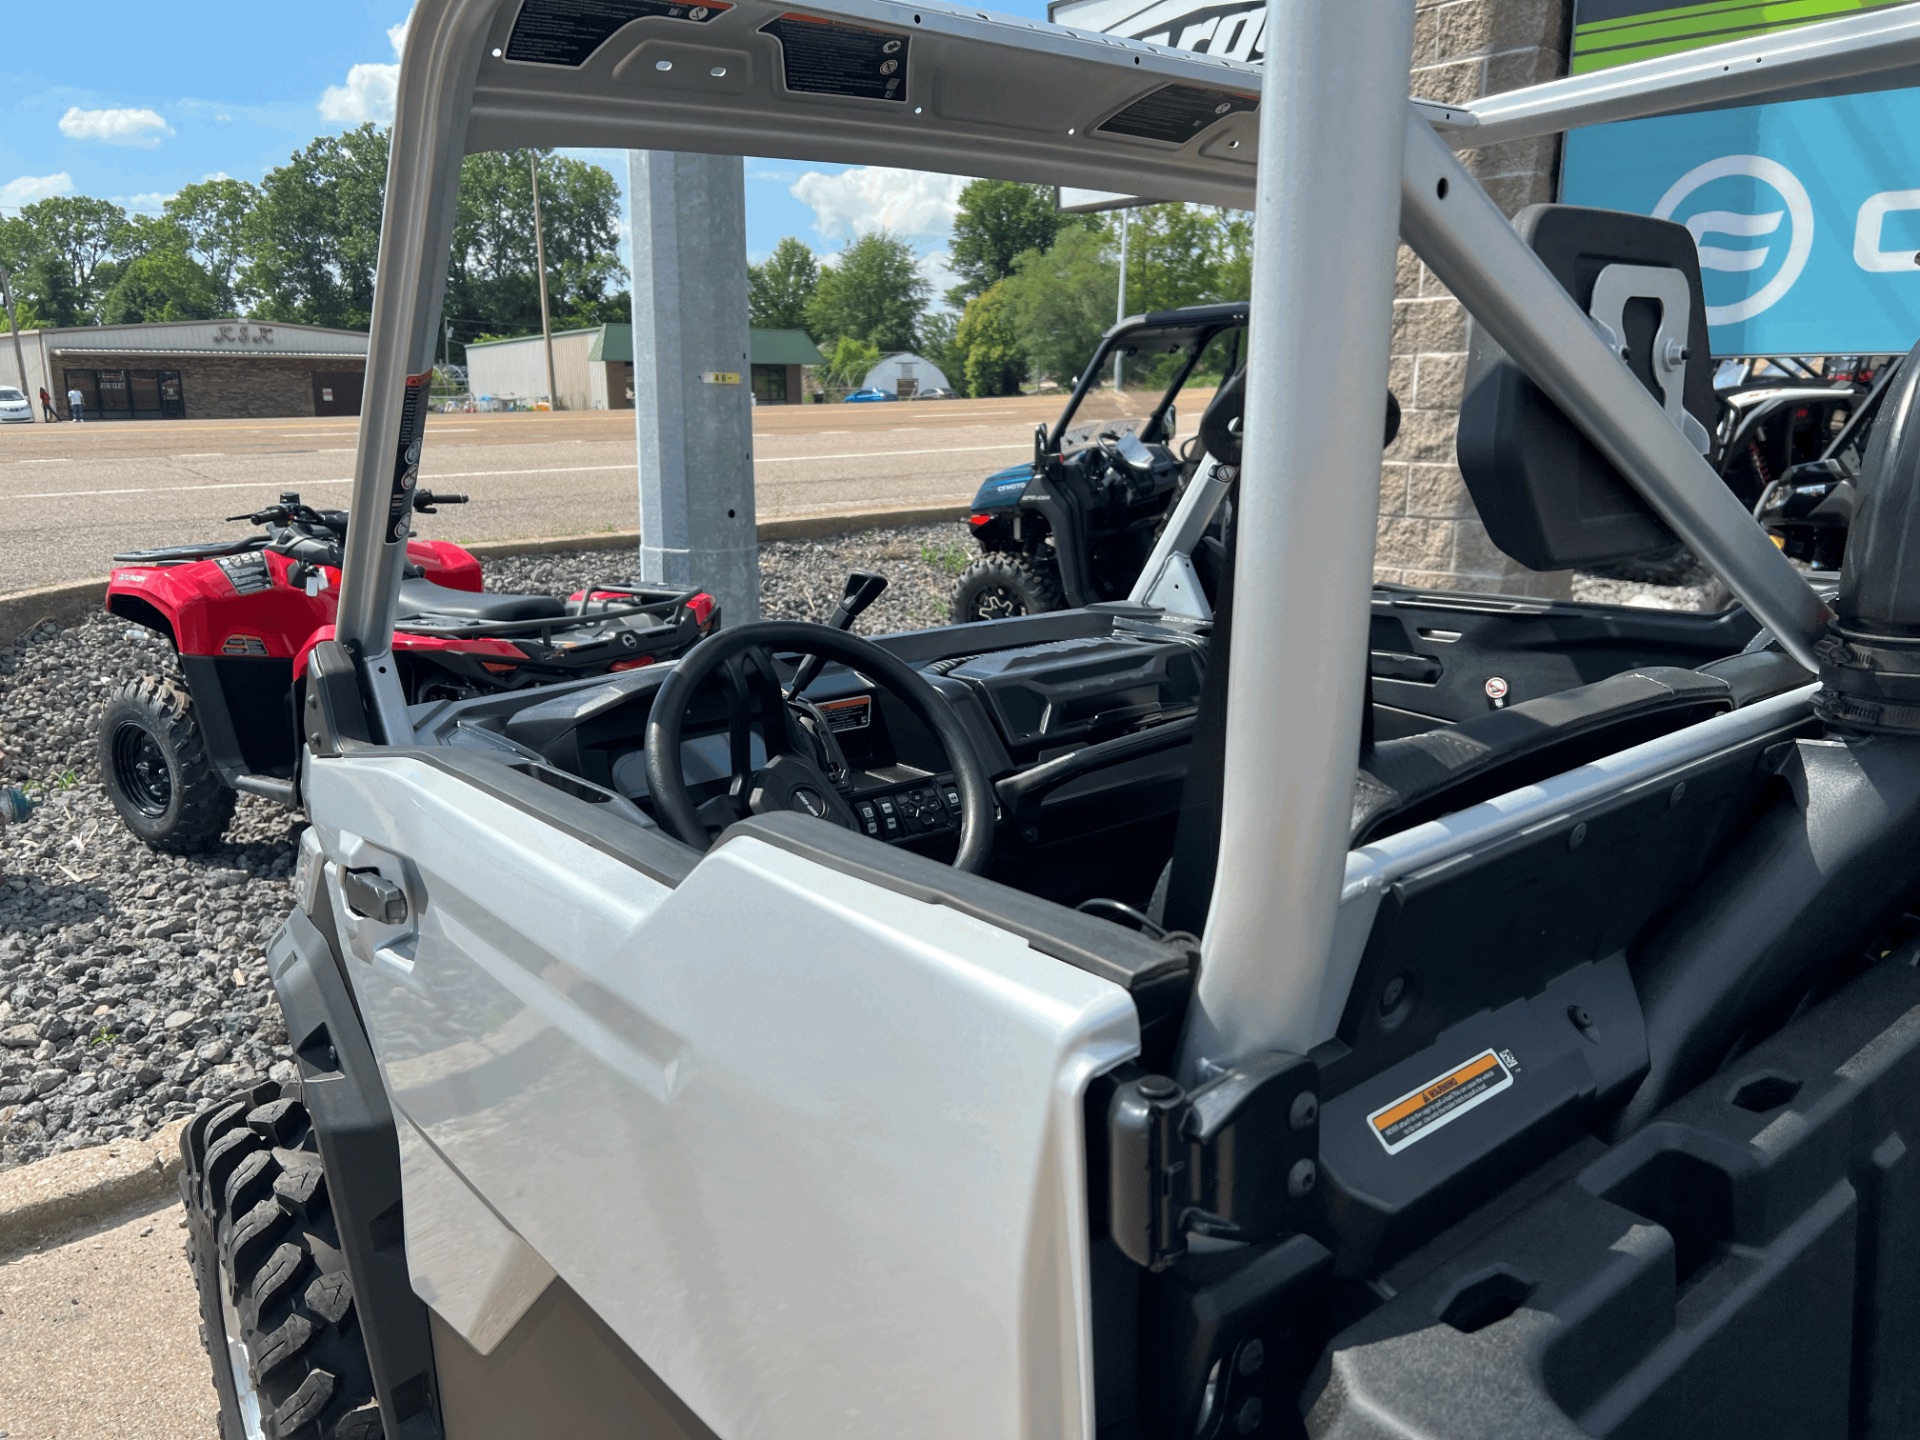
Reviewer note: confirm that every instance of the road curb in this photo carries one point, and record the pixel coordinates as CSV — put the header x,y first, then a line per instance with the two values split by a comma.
x,y
85,1185
64,604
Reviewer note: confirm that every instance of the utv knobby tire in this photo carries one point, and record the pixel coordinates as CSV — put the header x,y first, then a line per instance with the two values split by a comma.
x,y
266,1260
999,585
154,763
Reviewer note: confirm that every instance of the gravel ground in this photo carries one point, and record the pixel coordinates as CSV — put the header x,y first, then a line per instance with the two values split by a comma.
x,y
132,984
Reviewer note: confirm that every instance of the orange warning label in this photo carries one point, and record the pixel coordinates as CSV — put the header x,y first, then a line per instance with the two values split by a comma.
x,y
1417,1114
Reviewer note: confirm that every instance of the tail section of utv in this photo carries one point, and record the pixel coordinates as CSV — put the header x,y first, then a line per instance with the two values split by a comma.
x,y
1178,1019
177,749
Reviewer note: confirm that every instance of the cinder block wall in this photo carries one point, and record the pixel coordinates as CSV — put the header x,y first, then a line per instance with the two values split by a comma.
x,y
1429,532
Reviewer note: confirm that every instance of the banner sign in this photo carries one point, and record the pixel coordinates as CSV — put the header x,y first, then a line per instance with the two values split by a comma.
x,y
1806,213
1233,29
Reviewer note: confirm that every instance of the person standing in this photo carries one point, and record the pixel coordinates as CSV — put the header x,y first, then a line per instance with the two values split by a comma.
x,y
76,404
51,415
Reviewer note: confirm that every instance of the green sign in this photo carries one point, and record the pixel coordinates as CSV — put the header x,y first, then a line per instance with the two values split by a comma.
x,y
1617,32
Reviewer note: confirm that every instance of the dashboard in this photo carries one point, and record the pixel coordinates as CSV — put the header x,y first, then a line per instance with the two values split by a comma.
x,y
1023,705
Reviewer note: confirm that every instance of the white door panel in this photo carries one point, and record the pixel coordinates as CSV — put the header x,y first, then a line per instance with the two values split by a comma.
x,y
811,1147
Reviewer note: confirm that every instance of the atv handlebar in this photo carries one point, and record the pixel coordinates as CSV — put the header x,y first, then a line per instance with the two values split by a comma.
x,y
426,501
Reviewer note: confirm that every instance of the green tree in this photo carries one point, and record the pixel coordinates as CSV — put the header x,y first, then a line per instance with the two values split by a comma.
x,y
1063,300
939,332
1173,257
998,221
989,338
850,360
313,238
780,288
492,282
79,234
874,292
213,217
162,285
1233,275
43,288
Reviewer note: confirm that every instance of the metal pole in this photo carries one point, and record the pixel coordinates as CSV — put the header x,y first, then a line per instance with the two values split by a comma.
x,y
1332,127
540,262
1461,234
19,355
1120,314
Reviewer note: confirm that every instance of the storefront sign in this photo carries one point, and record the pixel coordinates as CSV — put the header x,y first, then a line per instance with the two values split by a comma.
x,y
241,332
1806,214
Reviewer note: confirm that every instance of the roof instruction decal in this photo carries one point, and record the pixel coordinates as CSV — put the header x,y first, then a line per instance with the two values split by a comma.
x,y
1416,1115
567,32
1177,113
828,57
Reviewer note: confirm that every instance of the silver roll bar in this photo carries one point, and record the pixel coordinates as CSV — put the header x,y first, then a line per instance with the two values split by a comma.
x,y
1332,125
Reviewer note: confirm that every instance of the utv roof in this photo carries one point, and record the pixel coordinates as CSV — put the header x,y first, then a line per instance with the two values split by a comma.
x,y
965,91
1176,329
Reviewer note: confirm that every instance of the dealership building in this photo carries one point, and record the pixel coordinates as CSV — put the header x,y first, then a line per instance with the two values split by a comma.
x,y
593,368
197,370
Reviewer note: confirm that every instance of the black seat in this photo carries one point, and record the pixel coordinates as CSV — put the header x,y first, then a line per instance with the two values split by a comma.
x,y
420,598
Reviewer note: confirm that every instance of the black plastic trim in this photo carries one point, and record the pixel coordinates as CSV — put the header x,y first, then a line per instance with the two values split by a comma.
x,y
354,1124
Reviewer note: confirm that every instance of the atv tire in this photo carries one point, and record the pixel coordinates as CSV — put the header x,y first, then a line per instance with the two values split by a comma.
x,y
154,763
999,585
277,1312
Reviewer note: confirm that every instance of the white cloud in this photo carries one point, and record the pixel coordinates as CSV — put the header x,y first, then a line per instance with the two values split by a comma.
x,y
937,267
370,89
145,128
29,188
151,203
867,198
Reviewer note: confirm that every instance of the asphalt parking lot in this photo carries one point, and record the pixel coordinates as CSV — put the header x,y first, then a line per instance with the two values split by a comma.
x,y
73,494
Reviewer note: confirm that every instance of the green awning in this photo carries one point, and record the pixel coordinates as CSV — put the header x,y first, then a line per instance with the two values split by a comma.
x,y
765,347
783,347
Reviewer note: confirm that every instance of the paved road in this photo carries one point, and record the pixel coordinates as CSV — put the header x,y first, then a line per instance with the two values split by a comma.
x,y
71,495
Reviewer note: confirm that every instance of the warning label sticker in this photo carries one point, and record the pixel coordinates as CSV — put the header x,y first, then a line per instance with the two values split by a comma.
x,y
567,32
1177,113
1415,1116
826,57
406,467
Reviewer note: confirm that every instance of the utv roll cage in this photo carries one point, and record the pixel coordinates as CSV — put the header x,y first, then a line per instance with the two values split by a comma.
x,y
1169,332
1337,166
1346,164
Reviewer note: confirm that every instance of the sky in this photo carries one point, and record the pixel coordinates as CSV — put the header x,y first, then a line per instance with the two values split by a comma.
x,y
132,101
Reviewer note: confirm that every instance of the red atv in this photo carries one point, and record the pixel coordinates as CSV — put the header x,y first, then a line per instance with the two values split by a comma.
x,y
244,615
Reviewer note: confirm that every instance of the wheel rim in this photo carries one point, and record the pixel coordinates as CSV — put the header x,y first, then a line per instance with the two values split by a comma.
x,y
997,602
140,770
239,1362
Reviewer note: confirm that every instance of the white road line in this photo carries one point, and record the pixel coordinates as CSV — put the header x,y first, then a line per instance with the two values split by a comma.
x,y
478,474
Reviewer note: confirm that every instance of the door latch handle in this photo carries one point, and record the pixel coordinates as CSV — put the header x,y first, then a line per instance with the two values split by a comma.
x,y
372,896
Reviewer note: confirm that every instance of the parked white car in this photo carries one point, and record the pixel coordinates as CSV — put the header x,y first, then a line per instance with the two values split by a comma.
x,y
15,408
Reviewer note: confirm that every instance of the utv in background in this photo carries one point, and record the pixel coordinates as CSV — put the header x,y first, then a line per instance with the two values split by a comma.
x,y
1074,525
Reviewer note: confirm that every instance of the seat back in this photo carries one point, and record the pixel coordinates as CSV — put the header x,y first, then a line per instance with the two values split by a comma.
x,y
1547,496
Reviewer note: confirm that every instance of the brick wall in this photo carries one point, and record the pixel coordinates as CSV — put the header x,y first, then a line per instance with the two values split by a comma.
x,y
1429,533
240,387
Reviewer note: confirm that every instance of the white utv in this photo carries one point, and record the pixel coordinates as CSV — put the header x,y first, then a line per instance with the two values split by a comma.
x,y
1149,1020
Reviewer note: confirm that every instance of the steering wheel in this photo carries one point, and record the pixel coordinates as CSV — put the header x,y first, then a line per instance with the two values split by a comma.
x,y
791,778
